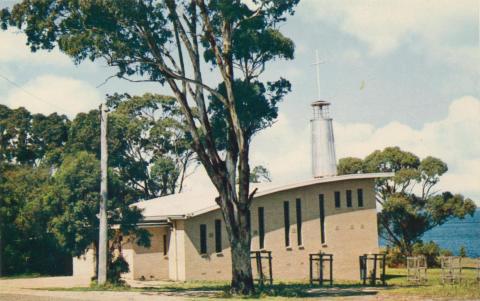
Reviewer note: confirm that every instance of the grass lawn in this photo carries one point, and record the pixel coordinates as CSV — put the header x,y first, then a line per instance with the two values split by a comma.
x,y
467,289
397,286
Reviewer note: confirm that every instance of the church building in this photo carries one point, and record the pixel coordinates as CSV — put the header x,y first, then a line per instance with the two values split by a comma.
x,y
326,213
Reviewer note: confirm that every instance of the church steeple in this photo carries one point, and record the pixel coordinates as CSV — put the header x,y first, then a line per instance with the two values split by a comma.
x,y
324,162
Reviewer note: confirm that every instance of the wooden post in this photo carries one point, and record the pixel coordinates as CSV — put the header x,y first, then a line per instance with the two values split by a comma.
x,y
270,266
259,267
320,266
331,270
363,269
103,227
311,269
383,269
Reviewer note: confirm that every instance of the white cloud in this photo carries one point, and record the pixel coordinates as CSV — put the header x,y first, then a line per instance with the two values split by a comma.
x,y
437,25
13,49
48,93
286,152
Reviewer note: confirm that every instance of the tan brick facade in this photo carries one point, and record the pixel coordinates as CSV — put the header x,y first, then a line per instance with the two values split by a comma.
x,y
349,233
150,263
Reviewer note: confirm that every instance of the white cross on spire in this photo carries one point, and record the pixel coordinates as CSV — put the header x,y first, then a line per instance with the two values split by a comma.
x,y
317,65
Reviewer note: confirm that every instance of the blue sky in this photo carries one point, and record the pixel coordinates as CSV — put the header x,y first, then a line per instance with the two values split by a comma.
x,y
400,73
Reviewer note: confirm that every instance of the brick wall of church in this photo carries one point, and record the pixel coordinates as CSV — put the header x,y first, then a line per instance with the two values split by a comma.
x,y
349,232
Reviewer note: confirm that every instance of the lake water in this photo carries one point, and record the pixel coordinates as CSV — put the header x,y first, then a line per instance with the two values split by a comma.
x,y
456,233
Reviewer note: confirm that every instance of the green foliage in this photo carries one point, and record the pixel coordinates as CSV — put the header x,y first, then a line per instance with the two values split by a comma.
x,y
28,145
430,250
149,143
75,192
49,177
82,30
27,247
27,138
260,174
155,41
445,252
350,165
257,107
395,258
462,252
116,268
409,207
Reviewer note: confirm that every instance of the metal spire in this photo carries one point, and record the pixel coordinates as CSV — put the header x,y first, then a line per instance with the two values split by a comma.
x,y
317,65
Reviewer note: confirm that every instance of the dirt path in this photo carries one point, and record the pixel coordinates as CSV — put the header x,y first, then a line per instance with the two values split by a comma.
x,y
27,289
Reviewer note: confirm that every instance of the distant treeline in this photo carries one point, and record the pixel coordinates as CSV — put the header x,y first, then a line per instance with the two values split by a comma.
x,y
50,176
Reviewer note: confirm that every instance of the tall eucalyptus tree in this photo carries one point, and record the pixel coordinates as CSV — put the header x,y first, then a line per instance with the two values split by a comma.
x,y
172,42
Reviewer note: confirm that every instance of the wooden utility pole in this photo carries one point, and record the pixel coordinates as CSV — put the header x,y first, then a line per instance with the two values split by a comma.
x,y
1,246
103,227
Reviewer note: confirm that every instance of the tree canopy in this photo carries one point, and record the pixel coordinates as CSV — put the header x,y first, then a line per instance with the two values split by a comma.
x,y
410,206
50,177
173,42
260,174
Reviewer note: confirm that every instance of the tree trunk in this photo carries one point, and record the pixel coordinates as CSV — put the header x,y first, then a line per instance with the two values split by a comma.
x,y
95,260
235,215
242,280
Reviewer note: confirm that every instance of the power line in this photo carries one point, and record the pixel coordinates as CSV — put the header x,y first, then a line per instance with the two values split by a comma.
x,y
33,95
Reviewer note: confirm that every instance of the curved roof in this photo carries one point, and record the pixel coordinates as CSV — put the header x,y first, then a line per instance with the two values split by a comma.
x,y
193,203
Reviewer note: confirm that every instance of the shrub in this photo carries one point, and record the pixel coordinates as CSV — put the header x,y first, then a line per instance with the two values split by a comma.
x,y
395,258
115,270
462,252
431,251
445,252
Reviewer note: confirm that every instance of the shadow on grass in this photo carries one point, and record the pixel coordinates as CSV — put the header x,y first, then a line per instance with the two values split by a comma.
x,y
286,290
391,276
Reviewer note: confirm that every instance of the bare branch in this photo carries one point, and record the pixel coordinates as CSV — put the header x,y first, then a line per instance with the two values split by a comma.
x,y
106,80
255,14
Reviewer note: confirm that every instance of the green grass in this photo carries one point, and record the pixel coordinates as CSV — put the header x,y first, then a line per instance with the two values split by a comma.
x,y
467,289
397,285
219,290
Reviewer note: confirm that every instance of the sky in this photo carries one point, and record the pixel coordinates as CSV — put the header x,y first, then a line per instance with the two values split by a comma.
x,y
398,73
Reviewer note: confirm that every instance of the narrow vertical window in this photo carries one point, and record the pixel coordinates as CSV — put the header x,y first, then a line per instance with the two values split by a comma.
x,y
286,219
218,236
165,245
360,197
298,205
261,227
337,199
321,202
349,198
203,239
